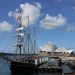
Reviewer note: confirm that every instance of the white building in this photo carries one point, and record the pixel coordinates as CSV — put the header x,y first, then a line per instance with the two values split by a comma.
x,y
51,49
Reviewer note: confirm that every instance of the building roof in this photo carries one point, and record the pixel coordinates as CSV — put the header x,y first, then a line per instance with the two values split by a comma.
x,y
49,47
60,50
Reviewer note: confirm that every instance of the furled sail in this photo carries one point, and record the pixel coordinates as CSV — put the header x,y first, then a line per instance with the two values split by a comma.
x,y
20,28
20,34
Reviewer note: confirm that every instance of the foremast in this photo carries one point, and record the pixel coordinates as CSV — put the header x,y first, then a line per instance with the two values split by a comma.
x,y
29,47
20,35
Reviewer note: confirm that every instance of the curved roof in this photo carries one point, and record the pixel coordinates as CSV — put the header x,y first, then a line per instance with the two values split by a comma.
x,y
60,50
49,47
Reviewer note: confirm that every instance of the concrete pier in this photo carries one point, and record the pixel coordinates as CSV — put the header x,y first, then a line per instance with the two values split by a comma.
x,y
45,68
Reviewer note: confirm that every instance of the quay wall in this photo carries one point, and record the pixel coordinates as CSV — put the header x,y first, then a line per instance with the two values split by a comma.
x,y
71,58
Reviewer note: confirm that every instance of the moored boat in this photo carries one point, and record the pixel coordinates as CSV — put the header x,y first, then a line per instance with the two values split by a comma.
x,y
28,62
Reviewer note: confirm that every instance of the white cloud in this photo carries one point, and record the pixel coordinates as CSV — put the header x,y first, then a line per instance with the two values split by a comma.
x,y
14,14
10,14
50,22
31,10
38,4
70,28
5,26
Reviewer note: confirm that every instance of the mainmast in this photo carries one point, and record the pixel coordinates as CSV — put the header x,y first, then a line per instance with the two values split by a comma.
x,y
35,47
29,45
34,42
28,34
20,34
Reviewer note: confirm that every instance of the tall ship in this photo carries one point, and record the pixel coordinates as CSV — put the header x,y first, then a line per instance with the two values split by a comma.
x,y
26,58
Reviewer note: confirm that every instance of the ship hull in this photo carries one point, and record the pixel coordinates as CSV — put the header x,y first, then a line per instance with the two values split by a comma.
x,y
22,67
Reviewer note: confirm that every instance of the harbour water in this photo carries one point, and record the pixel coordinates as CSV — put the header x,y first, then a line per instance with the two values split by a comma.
x,y
4,70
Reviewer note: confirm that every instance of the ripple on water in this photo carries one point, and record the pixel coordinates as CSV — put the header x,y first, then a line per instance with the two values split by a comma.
x,y
4,69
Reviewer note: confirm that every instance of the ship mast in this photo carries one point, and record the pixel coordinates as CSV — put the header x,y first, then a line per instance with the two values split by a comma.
x,y
35,47
28,34
29,45
20,34
34,42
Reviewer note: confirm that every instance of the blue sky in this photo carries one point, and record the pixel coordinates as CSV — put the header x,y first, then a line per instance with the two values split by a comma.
x,y
54,20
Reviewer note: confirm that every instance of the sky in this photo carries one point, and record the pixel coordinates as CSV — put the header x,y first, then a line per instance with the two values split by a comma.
x,y
54,21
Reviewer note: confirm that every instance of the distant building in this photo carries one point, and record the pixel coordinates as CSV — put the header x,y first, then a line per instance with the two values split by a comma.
x,y
48,49
43,53
52,50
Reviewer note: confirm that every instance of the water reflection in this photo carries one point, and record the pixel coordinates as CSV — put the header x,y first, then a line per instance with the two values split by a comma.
x,y
22,74
67,69
4,70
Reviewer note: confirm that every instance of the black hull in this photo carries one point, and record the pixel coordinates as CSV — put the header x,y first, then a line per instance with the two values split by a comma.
x,y
27,68
22,67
